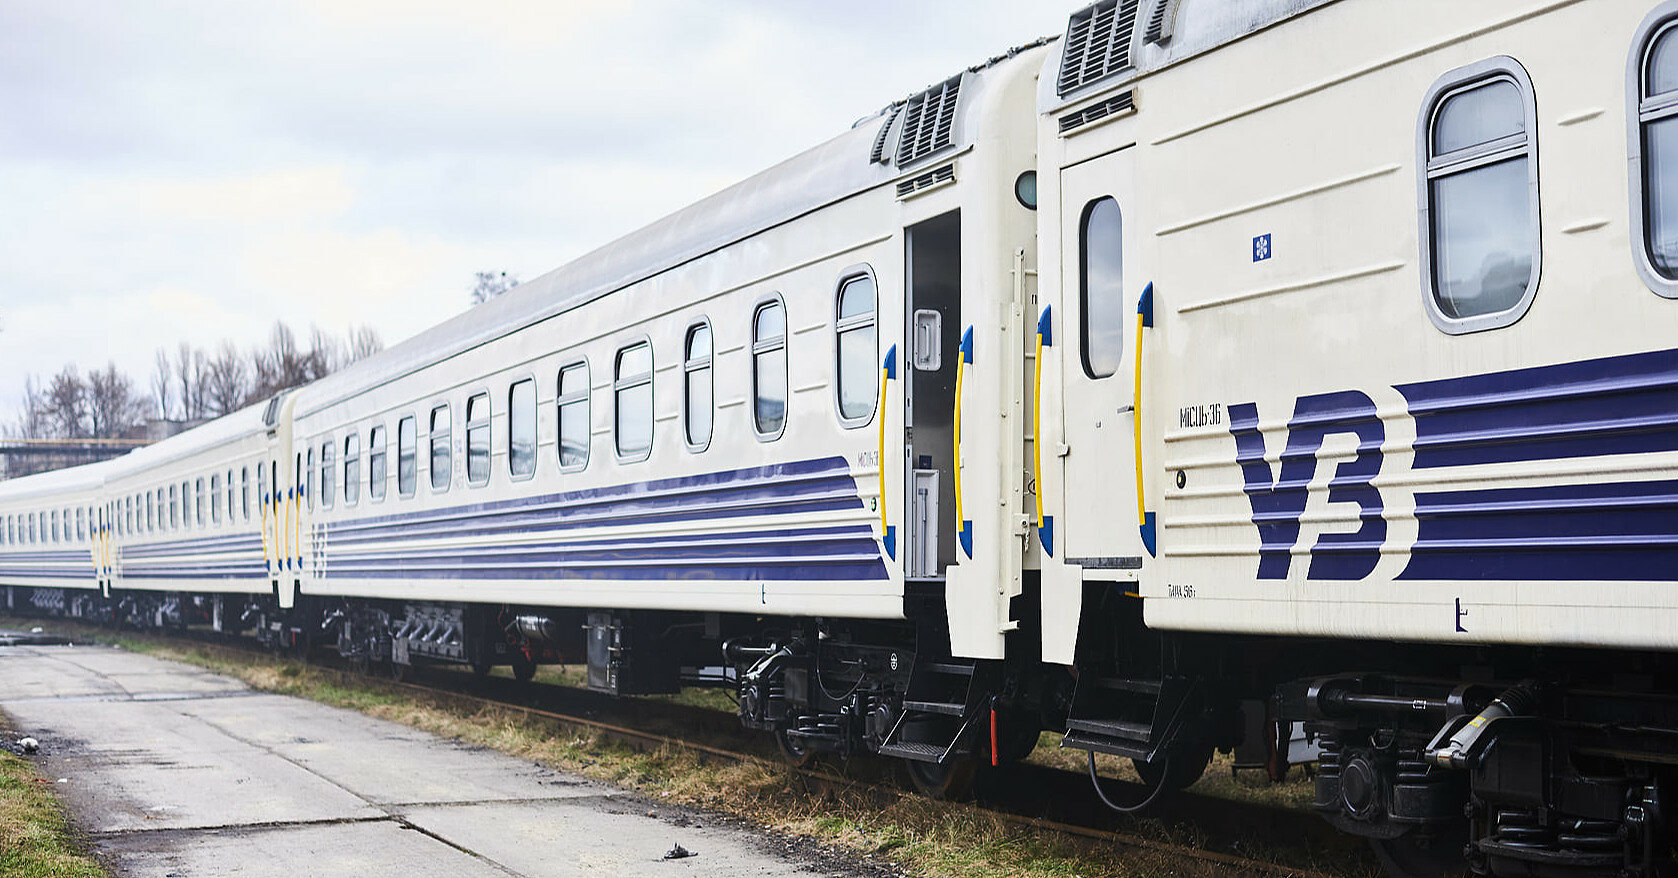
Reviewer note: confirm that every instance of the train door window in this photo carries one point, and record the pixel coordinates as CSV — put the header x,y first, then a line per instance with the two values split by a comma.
x,y
215,499
573,417
1479,196
521,428
442,459
857,349
1101,287
698,389
1653,87
352,469
407,456
477,439
769,369
328,461
377,467
632,402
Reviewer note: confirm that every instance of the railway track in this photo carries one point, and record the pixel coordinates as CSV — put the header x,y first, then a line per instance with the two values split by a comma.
x,y
1031,797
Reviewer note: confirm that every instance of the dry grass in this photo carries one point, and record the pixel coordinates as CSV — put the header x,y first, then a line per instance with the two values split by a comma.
x,y
35,838
1220,780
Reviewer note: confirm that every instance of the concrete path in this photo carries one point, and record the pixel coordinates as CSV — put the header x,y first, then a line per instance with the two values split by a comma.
x,y
175,772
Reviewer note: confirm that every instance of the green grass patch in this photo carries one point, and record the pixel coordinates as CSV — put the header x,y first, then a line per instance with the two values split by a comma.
x,y
35,837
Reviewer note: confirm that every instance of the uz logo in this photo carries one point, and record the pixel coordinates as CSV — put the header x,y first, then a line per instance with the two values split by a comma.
x,y
1279,500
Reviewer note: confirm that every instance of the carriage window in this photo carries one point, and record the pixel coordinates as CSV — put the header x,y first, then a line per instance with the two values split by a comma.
x,y
352,469
232,496
1479,193
377,468
308,478
407,456
328,490
151,513
442,461
262,489
174,509
1101,287
632,395
215,499
245,491
34,531
1654,150
573,417
81,524
698,391
477,439
521,428
857,350
198,501
769,369
56,537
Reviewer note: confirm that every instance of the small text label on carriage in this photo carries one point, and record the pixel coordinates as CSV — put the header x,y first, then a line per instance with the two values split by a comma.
x,y
1208,415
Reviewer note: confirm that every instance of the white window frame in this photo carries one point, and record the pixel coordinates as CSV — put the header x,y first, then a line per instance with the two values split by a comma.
x,y
690,365
840,327
1659,23
621,384
585,397
755,349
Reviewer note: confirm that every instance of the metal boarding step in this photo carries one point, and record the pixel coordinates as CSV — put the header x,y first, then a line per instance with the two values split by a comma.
x,y
1135,718
939,689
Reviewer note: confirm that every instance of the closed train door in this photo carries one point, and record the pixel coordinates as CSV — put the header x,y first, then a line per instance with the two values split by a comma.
x,y
1105,530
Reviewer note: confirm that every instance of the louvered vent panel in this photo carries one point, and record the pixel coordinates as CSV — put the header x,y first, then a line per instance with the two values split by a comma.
x,y
945,174
1097,112
1156,22
1097,43
929,120
878,153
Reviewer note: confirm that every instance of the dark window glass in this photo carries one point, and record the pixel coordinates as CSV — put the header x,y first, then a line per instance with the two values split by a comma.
x,y
477,439
352,469
858,386
407,456
521,428
698,391
378,472
632,391
573,416
1101,282
442,460
769,368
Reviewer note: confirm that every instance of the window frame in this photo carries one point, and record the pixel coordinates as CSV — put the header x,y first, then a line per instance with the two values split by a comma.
x,y
851,324
535,429
489,441
620,384
586,398
1657,24
431,437
756,348
378,449
1452,83
689,366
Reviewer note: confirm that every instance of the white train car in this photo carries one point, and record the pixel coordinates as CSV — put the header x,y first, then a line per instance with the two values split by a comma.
x,y
52,555
1355,308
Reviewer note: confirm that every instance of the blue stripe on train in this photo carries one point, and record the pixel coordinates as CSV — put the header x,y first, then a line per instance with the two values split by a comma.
x,y
1614,405
1610,531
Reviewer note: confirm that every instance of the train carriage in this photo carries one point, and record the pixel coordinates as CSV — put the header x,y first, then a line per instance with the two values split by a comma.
x,y
49,542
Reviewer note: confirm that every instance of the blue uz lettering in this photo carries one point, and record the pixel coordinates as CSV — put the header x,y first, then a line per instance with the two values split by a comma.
x,y
1279,502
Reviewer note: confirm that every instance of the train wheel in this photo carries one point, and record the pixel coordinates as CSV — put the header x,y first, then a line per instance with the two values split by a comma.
x,y
799,755
947,781
1424,855
1178,773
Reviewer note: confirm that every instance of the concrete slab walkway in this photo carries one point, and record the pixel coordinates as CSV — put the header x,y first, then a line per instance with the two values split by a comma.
x,y
176,772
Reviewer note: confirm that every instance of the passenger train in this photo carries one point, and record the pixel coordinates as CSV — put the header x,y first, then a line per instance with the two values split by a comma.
x,y
1214,370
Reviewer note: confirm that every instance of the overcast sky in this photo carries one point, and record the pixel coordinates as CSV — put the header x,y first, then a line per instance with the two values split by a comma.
x,y
196,169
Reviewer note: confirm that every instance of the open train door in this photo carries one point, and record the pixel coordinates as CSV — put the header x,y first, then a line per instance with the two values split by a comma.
x,y
1091,432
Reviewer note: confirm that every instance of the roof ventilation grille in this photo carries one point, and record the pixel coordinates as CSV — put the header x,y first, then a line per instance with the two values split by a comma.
x,y
1097,43
928,121
878,154
917,185
1096,112
1157,31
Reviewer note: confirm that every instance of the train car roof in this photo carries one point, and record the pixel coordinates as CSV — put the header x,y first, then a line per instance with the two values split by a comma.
x,y
240,424
807,182
86,477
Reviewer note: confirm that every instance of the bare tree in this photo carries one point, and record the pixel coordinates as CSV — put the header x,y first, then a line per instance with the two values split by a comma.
x,y
113,407
162,380
66,400
489,284
364,342
190,377
226,379
327,353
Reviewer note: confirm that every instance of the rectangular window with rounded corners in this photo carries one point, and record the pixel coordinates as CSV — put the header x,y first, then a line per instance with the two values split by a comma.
x,y
245,492
1101,287
698,388
407,456
442,459
769,369
1652,78
34,529
632,401
857,349
198,502
328,474
521,428
1479,196
378,466
232,498
352,469
55,534
574,438
151,513
81,523
309,479
174,509
477,439
262,498
215,499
